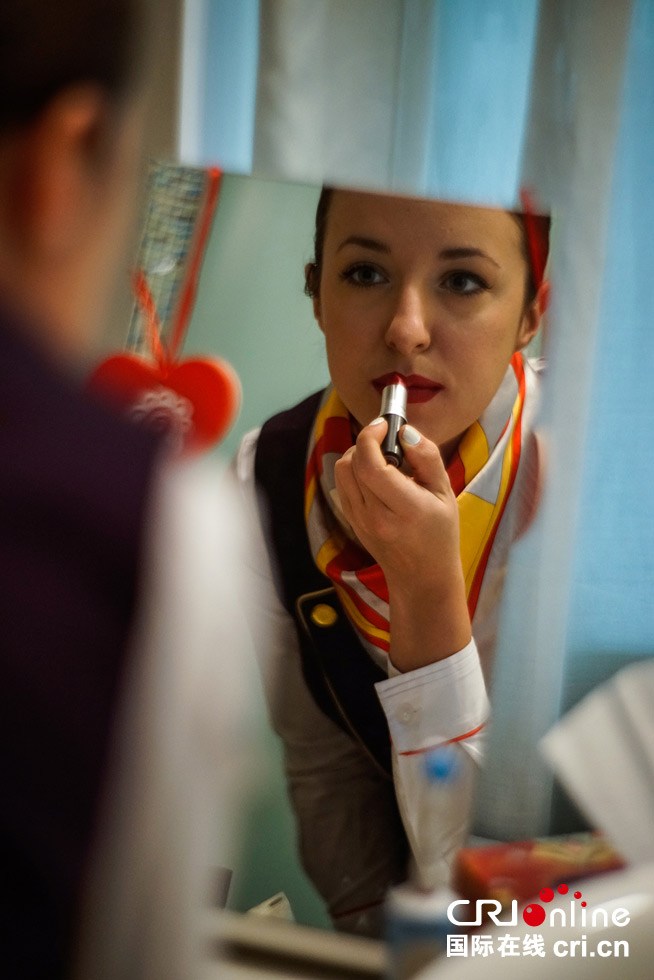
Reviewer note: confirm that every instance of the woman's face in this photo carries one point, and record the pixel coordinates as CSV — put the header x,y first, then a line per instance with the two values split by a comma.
x,y
429,290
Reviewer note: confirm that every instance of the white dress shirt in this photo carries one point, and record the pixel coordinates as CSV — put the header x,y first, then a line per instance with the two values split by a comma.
x,y
347,830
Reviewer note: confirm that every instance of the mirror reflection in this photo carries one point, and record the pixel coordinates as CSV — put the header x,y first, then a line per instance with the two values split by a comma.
x,y
380,584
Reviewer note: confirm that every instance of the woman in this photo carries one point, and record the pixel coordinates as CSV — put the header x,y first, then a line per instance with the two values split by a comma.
x,y
388,581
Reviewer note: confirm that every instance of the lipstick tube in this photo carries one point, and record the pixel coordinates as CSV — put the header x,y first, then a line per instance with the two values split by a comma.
x,y
393,409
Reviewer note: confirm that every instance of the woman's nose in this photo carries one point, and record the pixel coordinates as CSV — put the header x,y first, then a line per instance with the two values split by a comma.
x,y
408,328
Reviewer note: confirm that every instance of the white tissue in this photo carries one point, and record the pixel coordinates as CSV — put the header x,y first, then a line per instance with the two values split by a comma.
x,y
603,753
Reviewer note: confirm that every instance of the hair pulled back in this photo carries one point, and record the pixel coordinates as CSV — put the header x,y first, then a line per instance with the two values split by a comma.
x,y
49,45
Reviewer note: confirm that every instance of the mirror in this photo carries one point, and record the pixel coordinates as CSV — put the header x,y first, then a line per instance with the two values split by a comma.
x,y
395,270
571,78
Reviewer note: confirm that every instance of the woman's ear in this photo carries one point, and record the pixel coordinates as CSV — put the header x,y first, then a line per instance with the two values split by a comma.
x,y
311,288
317,310
533,314
55,174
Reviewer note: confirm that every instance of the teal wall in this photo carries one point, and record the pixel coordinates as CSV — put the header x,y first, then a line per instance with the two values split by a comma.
x,y
267,860
250,307
251,310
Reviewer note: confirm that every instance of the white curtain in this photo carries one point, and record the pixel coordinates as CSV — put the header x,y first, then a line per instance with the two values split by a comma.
x,y
376,93
219,58
577,102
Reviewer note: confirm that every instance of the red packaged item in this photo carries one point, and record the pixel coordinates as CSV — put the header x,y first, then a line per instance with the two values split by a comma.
x,y
519,870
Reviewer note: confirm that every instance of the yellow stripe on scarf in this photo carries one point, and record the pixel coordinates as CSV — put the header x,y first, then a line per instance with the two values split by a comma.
x,y
332,407
329,550
475,525
477,517
473,451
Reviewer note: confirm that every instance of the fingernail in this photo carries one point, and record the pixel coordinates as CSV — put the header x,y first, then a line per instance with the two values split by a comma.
x,y
410,436
376,421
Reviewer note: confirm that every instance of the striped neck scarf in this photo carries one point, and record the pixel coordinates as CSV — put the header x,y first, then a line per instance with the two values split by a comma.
x,y
482,472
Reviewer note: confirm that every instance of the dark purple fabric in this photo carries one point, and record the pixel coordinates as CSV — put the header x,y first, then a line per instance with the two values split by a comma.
x,y
74,483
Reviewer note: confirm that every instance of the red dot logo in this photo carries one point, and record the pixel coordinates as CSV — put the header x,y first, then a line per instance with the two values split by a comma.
x,y
534,915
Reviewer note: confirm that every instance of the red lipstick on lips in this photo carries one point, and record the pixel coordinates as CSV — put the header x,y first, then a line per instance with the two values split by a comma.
x,y
419,388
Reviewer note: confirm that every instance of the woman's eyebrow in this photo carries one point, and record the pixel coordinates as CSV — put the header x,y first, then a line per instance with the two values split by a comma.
x,y
372,243
466,252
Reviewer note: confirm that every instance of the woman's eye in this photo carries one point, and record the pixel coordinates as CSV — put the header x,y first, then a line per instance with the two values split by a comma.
x,y
464,283
363,275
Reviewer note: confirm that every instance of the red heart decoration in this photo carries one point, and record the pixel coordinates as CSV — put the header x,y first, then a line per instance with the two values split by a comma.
x,y
195,401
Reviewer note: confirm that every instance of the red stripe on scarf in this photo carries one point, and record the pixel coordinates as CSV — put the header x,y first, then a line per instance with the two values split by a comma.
x,y
353,559
311,470
336,438
374,618
373,578
457,474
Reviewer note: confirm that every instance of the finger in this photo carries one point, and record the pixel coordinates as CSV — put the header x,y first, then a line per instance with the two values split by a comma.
x,y
372,471
372,435
364,474
425,460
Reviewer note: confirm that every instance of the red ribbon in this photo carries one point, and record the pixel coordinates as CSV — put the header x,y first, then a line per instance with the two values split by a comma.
x,y
167,356
535,243
197,399
187,300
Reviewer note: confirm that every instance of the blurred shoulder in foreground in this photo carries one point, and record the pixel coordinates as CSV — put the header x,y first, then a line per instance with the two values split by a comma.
x,y
120,674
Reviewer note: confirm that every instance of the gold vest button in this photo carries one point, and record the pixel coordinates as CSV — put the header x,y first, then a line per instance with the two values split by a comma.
x,y
324,615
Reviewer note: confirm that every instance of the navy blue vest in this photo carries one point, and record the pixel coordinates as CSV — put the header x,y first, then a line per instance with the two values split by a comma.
x,y
337,669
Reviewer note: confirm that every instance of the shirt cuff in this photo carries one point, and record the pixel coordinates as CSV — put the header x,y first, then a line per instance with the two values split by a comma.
x,y
442,702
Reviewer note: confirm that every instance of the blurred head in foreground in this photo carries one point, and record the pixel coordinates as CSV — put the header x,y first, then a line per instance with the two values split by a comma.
x,y
74,483
71,74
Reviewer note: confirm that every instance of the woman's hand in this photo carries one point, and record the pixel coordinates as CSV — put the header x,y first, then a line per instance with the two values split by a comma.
x,y
410,526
